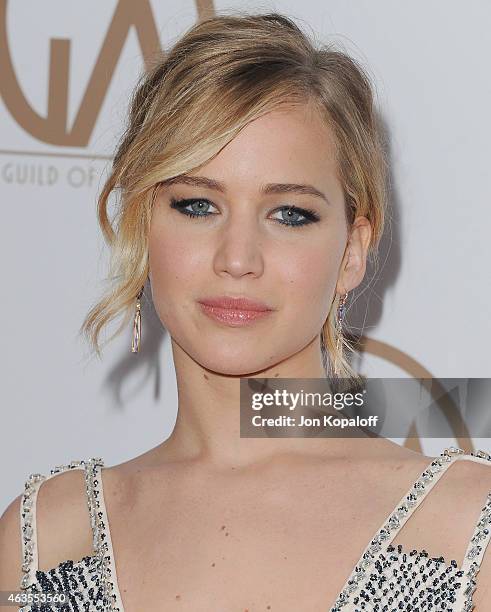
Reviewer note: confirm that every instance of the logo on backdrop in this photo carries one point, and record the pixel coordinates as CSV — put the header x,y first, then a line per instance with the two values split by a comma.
x,y
30,167
53,127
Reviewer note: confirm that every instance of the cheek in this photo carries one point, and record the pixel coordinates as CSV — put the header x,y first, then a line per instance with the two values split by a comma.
x,y
174,273
309,276
173,260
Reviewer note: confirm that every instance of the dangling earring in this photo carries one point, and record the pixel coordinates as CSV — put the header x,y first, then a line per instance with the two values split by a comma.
x,y
135,344
339,330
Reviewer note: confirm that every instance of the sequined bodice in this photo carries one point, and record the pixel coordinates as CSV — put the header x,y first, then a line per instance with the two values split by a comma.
x,y
387,578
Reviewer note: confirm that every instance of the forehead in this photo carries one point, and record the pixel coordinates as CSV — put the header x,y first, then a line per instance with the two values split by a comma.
x,y
292,144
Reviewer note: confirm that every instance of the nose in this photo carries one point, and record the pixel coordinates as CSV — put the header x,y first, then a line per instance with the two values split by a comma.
x,y
239,245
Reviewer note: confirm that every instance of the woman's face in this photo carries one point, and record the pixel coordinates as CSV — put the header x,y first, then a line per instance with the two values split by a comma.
x,y
240,244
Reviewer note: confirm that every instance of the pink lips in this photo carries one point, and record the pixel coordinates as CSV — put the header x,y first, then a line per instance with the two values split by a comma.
x,y
234,311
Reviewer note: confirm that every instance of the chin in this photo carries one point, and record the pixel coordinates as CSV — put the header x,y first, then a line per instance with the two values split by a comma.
x,y
241,366
241,369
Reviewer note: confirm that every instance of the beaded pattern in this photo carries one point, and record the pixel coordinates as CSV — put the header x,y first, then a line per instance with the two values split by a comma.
x,y
81,580
102,540
409,581
361,594
89,580
384,580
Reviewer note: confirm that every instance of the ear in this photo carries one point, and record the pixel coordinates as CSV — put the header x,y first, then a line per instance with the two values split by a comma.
x,y
354,263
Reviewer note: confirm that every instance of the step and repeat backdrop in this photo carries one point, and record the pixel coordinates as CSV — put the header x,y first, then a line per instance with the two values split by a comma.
x,y
67,71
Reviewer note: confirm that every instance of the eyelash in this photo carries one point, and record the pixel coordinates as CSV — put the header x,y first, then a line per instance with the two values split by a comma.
x,y
310,215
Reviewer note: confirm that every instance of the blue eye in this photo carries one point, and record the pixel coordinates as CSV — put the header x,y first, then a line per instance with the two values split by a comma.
x,y
290,214
198,205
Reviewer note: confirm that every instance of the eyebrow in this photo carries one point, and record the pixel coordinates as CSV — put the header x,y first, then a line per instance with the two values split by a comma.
x,y
270,188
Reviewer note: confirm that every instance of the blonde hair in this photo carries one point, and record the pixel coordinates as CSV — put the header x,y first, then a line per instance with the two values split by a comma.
x,y
224,72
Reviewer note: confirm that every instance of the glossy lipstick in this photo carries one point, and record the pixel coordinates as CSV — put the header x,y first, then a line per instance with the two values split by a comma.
x,y
234,312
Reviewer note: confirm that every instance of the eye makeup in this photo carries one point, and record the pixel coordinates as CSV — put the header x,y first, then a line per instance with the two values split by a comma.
x,y
201,211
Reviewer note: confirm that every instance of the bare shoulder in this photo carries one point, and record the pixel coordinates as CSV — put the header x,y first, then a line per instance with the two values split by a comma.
x,y
463,487
393,463
10,547
63,519
122,481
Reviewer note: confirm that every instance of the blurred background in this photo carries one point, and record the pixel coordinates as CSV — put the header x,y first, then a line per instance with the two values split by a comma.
x,y
67,71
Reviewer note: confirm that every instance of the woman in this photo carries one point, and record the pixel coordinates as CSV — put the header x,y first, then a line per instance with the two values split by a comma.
x,y
251,176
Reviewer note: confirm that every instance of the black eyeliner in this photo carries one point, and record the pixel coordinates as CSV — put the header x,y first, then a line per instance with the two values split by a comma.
x,y
309,215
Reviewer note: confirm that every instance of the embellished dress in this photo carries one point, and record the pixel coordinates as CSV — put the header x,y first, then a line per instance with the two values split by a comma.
x,y
385,579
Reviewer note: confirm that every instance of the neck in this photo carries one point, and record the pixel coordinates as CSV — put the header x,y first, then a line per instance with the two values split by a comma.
x,y
207,429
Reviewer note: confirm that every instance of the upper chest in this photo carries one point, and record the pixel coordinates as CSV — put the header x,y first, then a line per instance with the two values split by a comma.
x,y
206,542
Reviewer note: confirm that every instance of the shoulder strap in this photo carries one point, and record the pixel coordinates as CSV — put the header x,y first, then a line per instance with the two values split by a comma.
x,y
477,544
28,530
394,523
416,494
102,536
